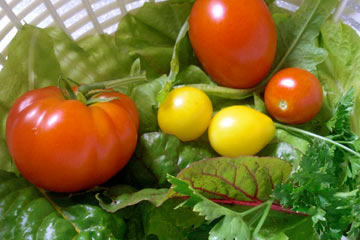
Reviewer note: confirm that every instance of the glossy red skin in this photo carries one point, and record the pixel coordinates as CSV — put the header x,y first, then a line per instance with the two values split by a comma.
x,y
125,102
235,40
65,146
300,90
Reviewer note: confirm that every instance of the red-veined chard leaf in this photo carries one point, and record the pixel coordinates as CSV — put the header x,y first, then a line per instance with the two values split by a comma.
x,y
244,223
30,213
249,179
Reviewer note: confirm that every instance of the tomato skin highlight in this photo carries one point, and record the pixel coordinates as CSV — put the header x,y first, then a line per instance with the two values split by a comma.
x,y
293,96
186,113
65,146
240,131
234,40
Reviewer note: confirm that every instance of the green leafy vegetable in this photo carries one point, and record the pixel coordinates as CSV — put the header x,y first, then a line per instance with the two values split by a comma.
x,y
312,190
165,222
158,154
340,72
109,63
150,33
74,61
230,224
328,170
193,75
297,34
236,179
229,198
145,98
31,64
30,213
181,39
123,197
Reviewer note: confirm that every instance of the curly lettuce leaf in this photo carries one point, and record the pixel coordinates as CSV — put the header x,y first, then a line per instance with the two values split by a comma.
x,y
341,70
297,35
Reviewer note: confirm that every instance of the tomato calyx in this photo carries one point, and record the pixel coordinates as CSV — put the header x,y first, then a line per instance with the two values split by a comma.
x,y
65,87
87,93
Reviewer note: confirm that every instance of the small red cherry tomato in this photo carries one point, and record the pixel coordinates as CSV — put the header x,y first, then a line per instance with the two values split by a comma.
x,y
293,96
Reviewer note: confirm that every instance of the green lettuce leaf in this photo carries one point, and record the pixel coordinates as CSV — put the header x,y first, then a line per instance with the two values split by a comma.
x,y
341,70
27,212
123,196
297,35
109,63
165,222
287,147
158,154
150,33
74,61
31,64
145,98
193,75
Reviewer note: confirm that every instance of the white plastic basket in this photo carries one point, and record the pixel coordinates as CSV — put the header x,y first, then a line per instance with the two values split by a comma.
x,y
80,17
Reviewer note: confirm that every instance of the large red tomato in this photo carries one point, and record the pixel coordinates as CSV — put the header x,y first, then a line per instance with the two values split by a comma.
x,y
235,40
66,146
293,96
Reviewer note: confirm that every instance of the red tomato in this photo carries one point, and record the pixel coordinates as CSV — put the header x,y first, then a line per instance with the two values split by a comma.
x,y
235,40
125,102
293,96
65,146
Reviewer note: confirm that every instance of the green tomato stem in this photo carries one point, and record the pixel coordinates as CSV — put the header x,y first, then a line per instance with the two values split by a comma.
x,y
224,92
98,100
65,88
111,83
301,131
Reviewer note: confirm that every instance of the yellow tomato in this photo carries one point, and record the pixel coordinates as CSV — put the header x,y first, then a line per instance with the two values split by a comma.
x,y
186,113
240,130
